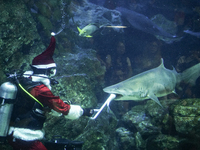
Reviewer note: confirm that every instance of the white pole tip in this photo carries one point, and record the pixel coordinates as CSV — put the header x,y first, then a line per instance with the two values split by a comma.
x,y
53,34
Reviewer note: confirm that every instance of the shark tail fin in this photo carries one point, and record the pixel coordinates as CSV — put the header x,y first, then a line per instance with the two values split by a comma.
x,y
191,74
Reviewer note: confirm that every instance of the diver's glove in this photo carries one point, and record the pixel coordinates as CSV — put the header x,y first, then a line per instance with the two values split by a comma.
x,y
88,112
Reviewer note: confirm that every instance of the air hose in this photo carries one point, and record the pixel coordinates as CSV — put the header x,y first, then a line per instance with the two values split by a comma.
x,y
14,76
29,94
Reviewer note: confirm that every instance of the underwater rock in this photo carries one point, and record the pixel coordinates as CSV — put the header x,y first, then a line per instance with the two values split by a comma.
x,y
99,134
125,138
140,142
155,128
138,120
187,117
51,16
61,126
81,77
162,141
96,134
157,113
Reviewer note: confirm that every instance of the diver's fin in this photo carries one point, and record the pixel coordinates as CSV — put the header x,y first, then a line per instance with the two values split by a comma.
x,y
79,30
88,36
154,98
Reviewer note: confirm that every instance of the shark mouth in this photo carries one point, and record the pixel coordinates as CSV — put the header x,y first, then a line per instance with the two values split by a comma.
x,y
118,95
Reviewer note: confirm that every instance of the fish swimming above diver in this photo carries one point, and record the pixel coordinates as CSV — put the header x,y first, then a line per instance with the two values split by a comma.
x,y
143,23
90,29
153,83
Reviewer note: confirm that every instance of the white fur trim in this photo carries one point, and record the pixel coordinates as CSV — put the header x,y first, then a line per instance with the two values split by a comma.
x,y
42,78
26,134
45,66
27,74
75,112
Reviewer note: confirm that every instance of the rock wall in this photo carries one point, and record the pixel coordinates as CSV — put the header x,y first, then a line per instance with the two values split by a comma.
x,y
174,127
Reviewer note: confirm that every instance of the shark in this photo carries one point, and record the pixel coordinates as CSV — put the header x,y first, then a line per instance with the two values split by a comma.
x,y
153,83
143,23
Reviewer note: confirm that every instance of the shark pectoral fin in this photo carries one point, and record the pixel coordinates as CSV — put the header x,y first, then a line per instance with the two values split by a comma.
x,y
79,30
88,36
154,98
174,92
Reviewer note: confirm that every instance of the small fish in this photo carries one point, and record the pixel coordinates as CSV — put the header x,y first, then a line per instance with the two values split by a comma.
x,y
197,34
88,30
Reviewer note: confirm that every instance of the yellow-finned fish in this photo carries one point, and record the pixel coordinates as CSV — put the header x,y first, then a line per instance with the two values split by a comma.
x,y
88,30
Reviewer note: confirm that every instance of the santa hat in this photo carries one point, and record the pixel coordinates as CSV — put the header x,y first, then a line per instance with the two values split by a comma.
x,y
45,59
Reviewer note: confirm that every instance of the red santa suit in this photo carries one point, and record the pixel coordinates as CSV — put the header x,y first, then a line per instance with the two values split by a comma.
x,y
46,97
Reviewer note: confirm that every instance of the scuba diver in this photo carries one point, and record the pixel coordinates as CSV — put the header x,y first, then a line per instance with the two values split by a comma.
x,y
27,119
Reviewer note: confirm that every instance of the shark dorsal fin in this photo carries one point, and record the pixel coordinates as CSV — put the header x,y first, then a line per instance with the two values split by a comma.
x,y
162,63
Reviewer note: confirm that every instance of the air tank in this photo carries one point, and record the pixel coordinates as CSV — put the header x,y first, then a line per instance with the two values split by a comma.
x,y
8,92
